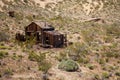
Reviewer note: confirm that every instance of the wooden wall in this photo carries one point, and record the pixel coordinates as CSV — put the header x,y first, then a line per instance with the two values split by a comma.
x,y
43,35
53,40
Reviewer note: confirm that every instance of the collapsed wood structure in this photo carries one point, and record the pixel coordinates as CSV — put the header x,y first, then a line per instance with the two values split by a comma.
x,y
45,34
53,38
20,37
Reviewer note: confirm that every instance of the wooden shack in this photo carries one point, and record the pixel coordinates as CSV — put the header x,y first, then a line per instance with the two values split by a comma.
x,y
36,29
45,34
53,38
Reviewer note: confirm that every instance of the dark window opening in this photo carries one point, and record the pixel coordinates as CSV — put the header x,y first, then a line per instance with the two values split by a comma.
x,y
28,34
47,40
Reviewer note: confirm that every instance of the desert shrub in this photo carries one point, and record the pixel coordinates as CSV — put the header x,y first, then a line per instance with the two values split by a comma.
x,y
109,68
109,54
105,75
116,55
29,17
44,66
101,61
3,16
19,16
16,57
68,65
30,41
2,44
20,56
8,72
97,77
4,47
3,54
26,1
112,54
117,73
109,39
107,59
4,36
90,66
113,30
90,33
83,60
61,56
77,51
33,56
36,57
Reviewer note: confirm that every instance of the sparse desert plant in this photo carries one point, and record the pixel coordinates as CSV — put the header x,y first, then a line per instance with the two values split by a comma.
x,y
90,66
3,54
36,57
77,51
16,57
68,65
61,56
4,47
3,16
117,73
33,56
19,16
101,61
105,75
8,72
97,77
20,56
92,32
113,30
109,68
44,66
26,1
29,17
109,39
2,44
4,36
107,59
109,54
30,41
83,60
112,54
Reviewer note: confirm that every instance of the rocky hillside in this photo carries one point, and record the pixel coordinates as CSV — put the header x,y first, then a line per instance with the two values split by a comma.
x,y
51,10
80,9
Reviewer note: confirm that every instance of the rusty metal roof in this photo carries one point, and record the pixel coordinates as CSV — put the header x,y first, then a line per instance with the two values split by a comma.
x,y
44,25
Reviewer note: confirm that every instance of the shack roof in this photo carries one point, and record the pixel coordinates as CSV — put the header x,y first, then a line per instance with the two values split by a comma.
x,y
53,32
44,25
